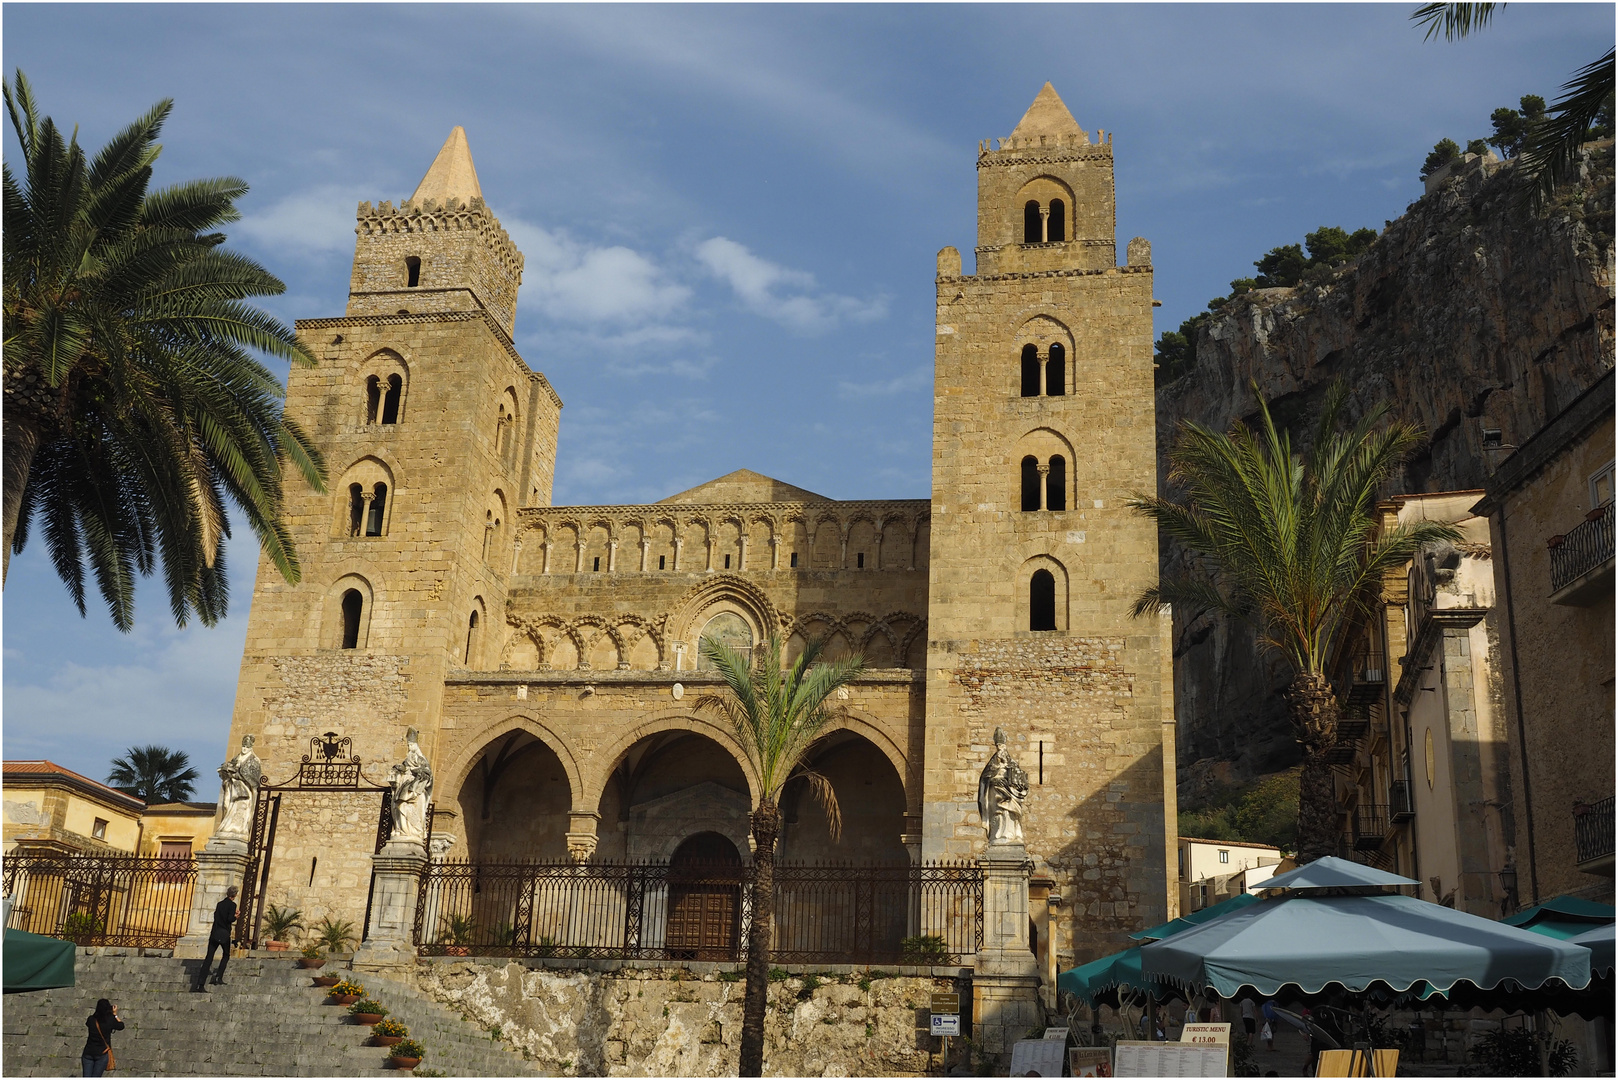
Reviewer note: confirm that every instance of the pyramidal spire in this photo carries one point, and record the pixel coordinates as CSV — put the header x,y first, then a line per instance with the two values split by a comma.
x,y
1048,116
452,172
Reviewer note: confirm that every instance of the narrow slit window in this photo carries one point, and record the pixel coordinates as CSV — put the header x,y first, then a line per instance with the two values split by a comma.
x,y
373,398
1030,222
662,562
412,271
379,504
390,401
859,561
471,638
1058,221
794,562
1030,371
727,562
353,605
1030,483
1042,601
596,566
1056,371
1056,484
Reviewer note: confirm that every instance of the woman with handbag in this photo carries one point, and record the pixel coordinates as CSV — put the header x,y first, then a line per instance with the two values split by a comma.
x,y
98,1044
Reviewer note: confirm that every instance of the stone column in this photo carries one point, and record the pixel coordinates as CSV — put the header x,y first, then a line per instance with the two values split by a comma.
x,y
709,567
645,553
581,834
1044,480
396,885
741,557
1005,981
679,546
612,556
220,864
545,568
775,553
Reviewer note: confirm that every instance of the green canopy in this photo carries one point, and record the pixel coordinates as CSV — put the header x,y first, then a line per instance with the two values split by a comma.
x,y
33,962
1563,917
1600,943
1186,922
1120,971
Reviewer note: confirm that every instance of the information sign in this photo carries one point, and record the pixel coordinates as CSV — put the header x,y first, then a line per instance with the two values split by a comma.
x,y
946,1014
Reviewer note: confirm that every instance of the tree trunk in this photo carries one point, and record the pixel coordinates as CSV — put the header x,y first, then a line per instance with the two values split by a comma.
x,y
766,827
1314,709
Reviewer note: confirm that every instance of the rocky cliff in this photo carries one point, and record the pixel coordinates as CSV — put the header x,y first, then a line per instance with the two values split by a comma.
x,y
1469,312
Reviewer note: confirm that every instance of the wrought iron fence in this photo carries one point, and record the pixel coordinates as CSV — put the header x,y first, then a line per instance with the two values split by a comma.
x,y
926,914
126,900
1592,830
1582,548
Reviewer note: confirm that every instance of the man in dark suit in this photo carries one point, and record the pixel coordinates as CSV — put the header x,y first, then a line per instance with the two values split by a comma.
x,y
224,916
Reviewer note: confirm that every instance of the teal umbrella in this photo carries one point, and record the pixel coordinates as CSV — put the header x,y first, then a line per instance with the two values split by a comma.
x,y
33,962
1120,971
1196,918
1330,872
1359,942
1599,940
1563,917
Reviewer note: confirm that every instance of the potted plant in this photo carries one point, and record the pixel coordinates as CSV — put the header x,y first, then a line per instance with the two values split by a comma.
x,y
347,992
81,927
406,1054
458,933
367,1011
334,935
388,1032
312,957
279,922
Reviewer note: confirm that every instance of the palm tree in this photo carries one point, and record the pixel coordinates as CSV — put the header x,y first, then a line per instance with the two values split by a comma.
x,y
1550,154
777,715
1287,543
133,406
154,773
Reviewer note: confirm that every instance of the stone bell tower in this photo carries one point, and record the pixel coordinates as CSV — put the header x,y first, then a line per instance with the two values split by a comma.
x,y
1043,427
435,432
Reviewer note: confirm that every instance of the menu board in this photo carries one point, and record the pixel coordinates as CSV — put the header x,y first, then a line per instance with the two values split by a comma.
x,y
1168,1059
1038,1057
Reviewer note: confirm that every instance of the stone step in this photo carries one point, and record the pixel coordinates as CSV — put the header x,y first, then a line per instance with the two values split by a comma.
x,y
268,1019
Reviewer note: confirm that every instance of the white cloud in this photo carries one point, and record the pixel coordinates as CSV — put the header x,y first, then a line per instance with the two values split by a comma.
x,y
315,221
916,379
575,282
780,293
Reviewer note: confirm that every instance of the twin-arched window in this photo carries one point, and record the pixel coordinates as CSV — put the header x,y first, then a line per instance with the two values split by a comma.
x,y
382,399
367,510
1052,372
1044,486
1044,224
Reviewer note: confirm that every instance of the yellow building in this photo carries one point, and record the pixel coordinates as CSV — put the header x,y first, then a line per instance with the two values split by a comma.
x,y
48,807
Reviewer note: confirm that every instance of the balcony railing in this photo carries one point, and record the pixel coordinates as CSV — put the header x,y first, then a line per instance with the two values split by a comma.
x,y
1592,834
1401,806
1584,548
1370,826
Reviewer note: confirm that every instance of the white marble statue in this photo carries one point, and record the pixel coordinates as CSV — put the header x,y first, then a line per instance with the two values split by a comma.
x,y
1002,791
412,784
238,787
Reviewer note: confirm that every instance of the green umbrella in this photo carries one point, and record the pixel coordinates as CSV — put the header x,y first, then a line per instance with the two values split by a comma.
x,y
1120,971
33,962
1563,917
1196,918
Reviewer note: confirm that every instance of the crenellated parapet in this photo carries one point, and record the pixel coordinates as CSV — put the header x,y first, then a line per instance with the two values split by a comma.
x,y
435,217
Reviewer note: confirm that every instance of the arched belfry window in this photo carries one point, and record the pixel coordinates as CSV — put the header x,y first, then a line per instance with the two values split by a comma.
x,y
373,398
412,271
1030,483
1056,484
1056,371
356,509
1057,226
353,606
390,400
1042,601
1030,371
378,511
1032,227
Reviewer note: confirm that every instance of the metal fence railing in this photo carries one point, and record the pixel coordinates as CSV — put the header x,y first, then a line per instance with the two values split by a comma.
x,y
124,900
1592,830
1583,548
1370,825
926,914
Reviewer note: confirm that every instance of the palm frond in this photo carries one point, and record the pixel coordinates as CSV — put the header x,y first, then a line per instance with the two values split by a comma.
x,y
1454,21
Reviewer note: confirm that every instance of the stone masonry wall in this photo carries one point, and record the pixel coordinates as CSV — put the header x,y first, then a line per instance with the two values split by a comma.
x,y
672,1022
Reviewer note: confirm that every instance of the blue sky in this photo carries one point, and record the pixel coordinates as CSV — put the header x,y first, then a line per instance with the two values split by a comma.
x,y
730,217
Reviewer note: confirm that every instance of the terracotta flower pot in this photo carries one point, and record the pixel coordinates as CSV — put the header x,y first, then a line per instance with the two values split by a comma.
x,y
387,1040
328,980
312,962
344,999
366,1019
276,946
404,1062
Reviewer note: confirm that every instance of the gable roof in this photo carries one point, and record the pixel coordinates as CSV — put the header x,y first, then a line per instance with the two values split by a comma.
x,y
41,773
744,486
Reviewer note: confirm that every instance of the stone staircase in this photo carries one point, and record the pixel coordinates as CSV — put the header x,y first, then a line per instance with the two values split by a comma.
x,y
268,1019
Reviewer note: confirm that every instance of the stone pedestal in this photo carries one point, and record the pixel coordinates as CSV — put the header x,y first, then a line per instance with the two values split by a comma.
x,y
393,907
1005,981
220,864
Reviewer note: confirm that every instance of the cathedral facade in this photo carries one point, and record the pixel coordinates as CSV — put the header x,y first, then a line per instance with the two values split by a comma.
x,y
549,655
